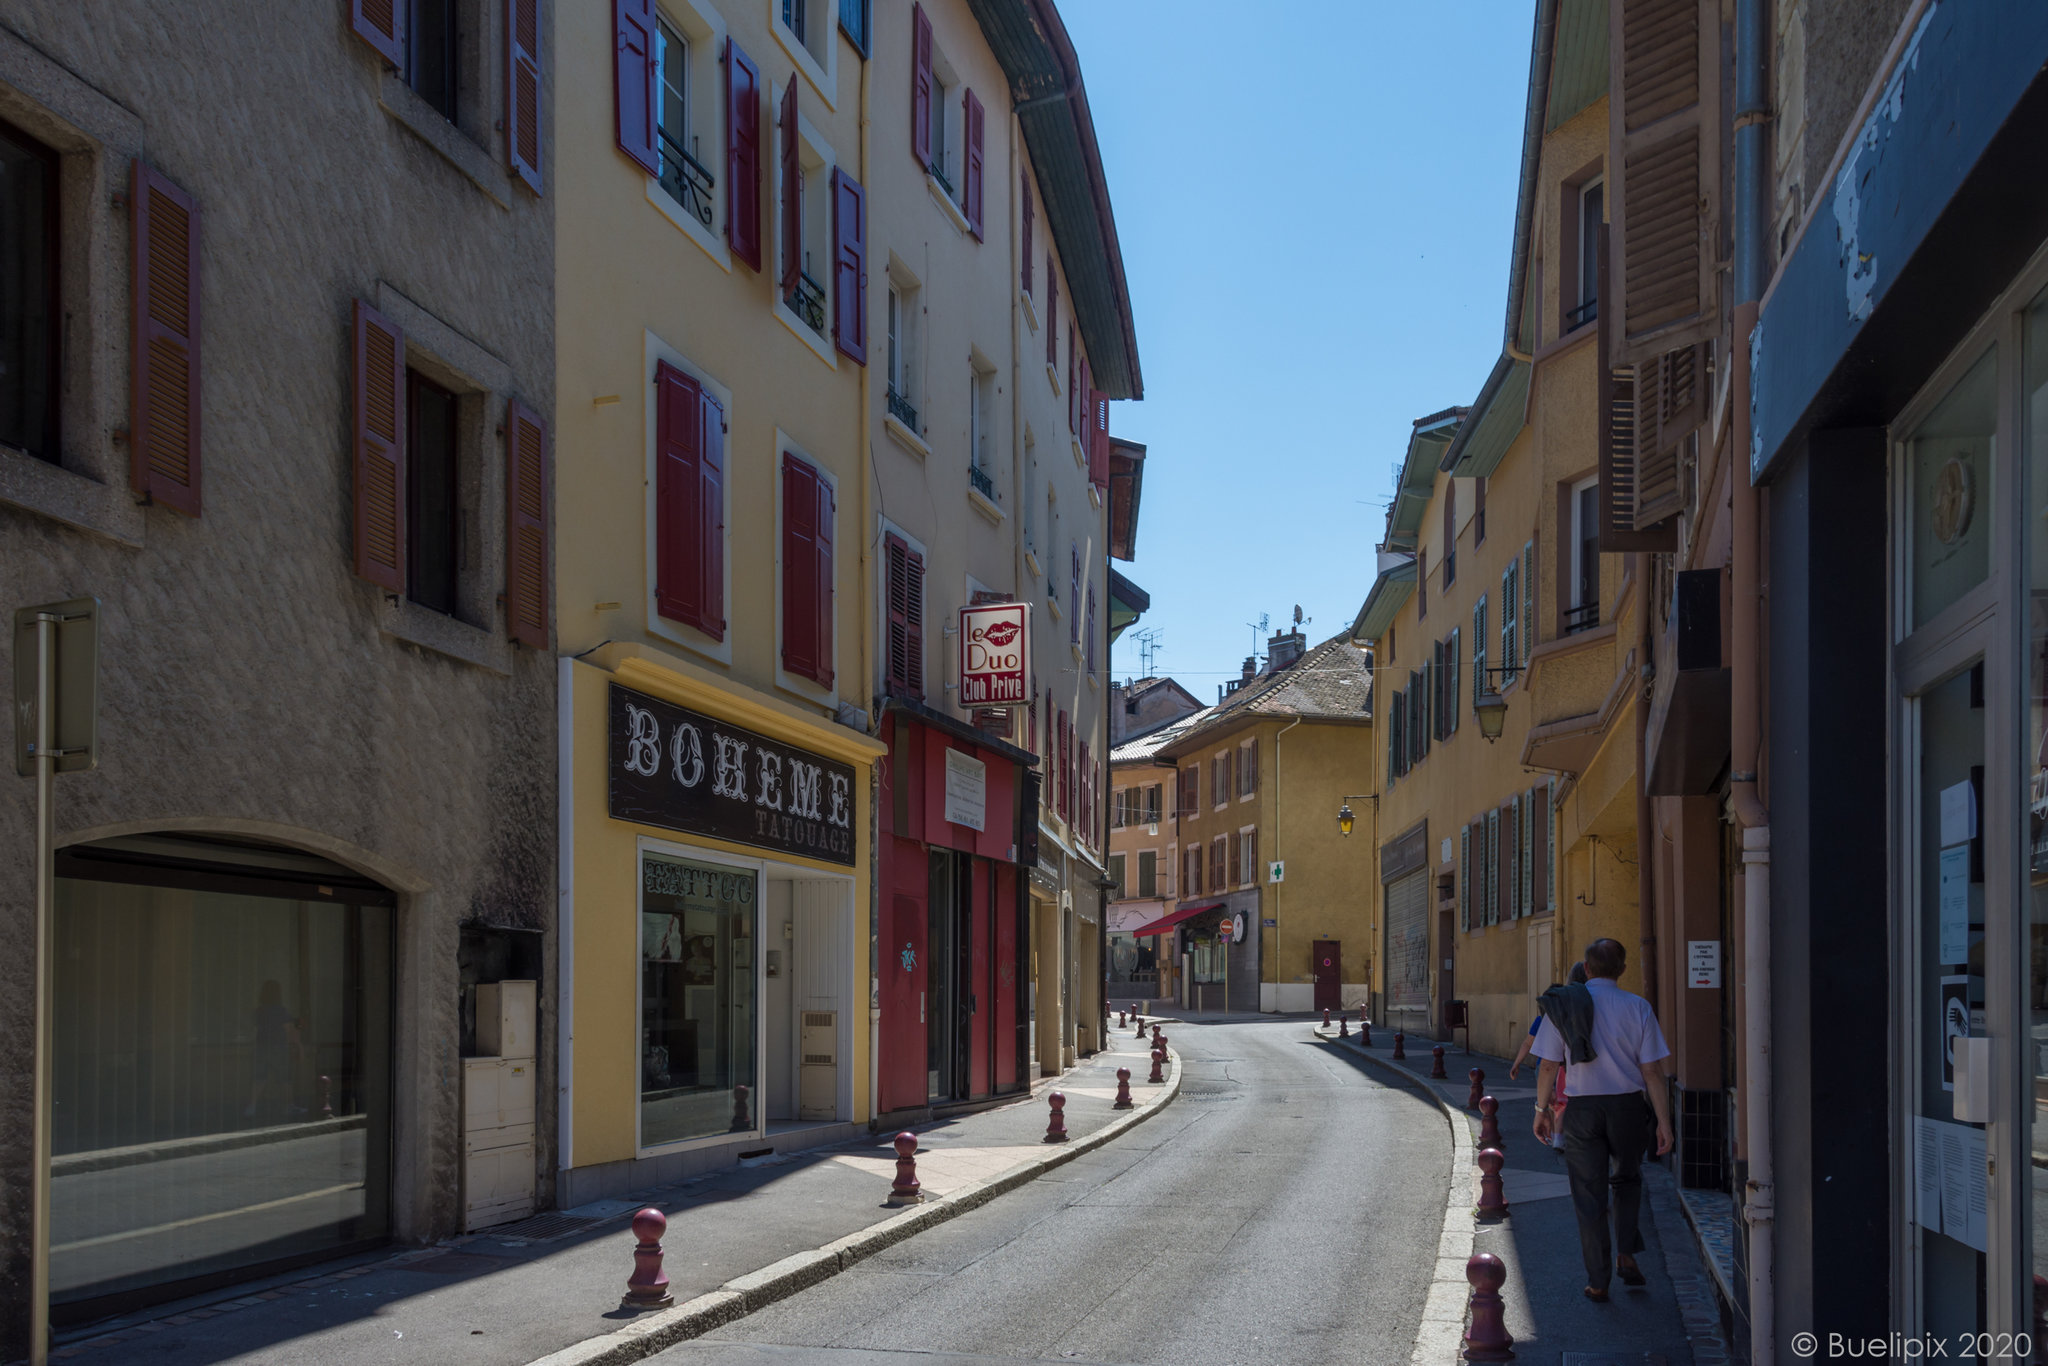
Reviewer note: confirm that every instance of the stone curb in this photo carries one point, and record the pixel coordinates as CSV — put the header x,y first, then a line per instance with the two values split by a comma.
x,y
744,1295
1441,1337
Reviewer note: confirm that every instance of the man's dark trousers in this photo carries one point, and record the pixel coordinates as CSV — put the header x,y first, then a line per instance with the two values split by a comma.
x,y
1597,1129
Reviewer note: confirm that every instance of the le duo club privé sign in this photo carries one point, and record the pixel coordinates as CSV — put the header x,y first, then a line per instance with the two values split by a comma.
x,y
682,770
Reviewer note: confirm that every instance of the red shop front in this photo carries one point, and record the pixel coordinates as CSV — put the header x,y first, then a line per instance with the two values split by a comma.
x,y
955,1023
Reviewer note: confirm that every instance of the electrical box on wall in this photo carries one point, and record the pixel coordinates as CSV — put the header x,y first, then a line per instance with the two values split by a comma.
x,y
818,1078
505,1014
497,1140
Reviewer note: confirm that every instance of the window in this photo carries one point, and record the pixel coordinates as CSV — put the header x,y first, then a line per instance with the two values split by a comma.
x,y
1088,635
433,512
905,315
1448,712
1248,768
689,490
1465,878
1397,736
1248,856
28,294
807,570
1583,611
1192,885
1237,868
1191,790
430,47
1219,780
683,173
1480,682
796,18
1148,872
1030,504
1479,510
1074,596
1219,854
1450,532
856,21
1584,210
1492,883
1116,875
697,997
1525,828
904,667
1510,603
803,218
981,426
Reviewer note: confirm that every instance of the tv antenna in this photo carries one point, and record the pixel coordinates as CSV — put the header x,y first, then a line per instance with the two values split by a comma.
x,y
1148,649
1259,629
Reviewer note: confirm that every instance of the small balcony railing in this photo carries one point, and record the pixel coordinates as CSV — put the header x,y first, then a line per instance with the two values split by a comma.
x,y
806,299
900,409
983,484
1576,318
688,181
939,174
1577,619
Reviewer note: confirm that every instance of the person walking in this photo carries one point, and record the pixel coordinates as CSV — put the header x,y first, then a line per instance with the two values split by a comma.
x,y
1556,1096
1616,1051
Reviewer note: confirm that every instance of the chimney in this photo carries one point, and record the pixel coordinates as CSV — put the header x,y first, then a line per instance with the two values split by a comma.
x,y
1251,669
1284,648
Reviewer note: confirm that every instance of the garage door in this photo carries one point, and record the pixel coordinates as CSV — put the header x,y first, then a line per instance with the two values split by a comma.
x,y
1408,950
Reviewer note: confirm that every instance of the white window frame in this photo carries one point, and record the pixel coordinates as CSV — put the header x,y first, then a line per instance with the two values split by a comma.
x,y
796,684
1244,750
817,58
817,159
1247,856
1584,240
675,632
703,29
903,361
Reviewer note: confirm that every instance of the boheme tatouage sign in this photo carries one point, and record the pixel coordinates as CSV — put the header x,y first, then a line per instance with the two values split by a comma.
x,y
682,770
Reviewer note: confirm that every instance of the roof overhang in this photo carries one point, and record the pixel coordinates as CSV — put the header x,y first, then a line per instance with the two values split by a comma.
x,y
1416,483
1127,602
1496,420
1126,484
1051,105
1393,587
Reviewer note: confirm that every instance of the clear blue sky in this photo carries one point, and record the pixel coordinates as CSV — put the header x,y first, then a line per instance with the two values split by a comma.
x,y
1315,208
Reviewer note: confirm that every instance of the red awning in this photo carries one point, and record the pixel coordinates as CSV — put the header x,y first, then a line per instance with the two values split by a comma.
x,y
1167,922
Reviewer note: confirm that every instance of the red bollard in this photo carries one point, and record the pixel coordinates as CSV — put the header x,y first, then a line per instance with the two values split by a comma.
x,y
1158,1061
1326,1017
647,1287
1364,1029
1155,1031
1436,1064
1487,1339
1478,1079
1159,1041
326,1098
1493,1203
906,1191
1400,1046
740,1121
1123,1089
1489,1122
1056,1130
1121,1022
1343,1026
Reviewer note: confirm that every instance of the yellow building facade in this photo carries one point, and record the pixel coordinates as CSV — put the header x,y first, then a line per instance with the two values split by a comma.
x,y
1507,600
812,373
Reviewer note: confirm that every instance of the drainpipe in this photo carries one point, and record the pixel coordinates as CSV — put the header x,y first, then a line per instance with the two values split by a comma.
x,y
1752,209
1276,854
1646,879
864,455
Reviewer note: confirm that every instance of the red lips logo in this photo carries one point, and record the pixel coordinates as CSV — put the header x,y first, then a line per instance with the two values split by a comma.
x,y
1002,633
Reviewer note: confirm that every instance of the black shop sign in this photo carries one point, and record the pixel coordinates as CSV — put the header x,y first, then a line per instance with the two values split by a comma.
x,y
682,770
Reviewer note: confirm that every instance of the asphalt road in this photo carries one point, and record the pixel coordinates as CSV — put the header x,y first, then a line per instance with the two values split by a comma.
x,y
1286,1208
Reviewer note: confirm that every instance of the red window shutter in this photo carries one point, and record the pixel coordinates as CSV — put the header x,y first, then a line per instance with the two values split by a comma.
x,y
1052,315
163,442
710,511
526,526
381,24
678,487
522,90
636,92
799,567
379,349
827,586
920,87
913,622
1024,197
1073,356
742,155
849,266
970,194
1074,598
792,193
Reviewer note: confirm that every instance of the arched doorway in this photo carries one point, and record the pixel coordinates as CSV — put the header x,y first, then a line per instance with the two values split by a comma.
x,y
222,1062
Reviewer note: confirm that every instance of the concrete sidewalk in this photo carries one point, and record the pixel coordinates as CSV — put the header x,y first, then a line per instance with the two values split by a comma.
x,y
551,1285
1674,1316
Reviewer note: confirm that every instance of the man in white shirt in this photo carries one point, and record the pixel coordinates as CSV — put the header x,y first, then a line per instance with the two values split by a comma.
x,y
1606,1119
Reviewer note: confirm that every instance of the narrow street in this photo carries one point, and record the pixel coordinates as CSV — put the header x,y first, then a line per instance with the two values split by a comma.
x,y
1284,1209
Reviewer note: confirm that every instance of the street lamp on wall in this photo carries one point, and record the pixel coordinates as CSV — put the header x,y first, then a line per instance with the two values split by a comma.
x,y
1490,707
1345,816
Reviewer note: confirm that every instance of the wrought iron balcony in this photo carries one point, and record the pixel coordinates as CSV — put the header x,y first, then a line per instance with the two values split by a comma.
x,y
1577,619
806,299
939,174
900,409
686,179
1576,318
983,484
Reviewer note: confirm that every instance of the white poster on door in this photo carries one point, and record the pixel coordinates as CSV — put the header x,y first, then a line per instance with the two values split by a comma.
x,y
966,790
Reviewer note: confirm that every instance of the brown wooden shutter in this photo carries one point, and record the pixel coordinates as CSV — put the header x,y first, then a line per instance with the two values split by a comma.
x,y
971,188
742,155
1236,862
522,90
381,24
1025,198
1619,431
1663,173
1671,402
1098,438
1251,755
526,526
1502,831
163,438
849,267
636,89
678,491
792,194
379,349
920,87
